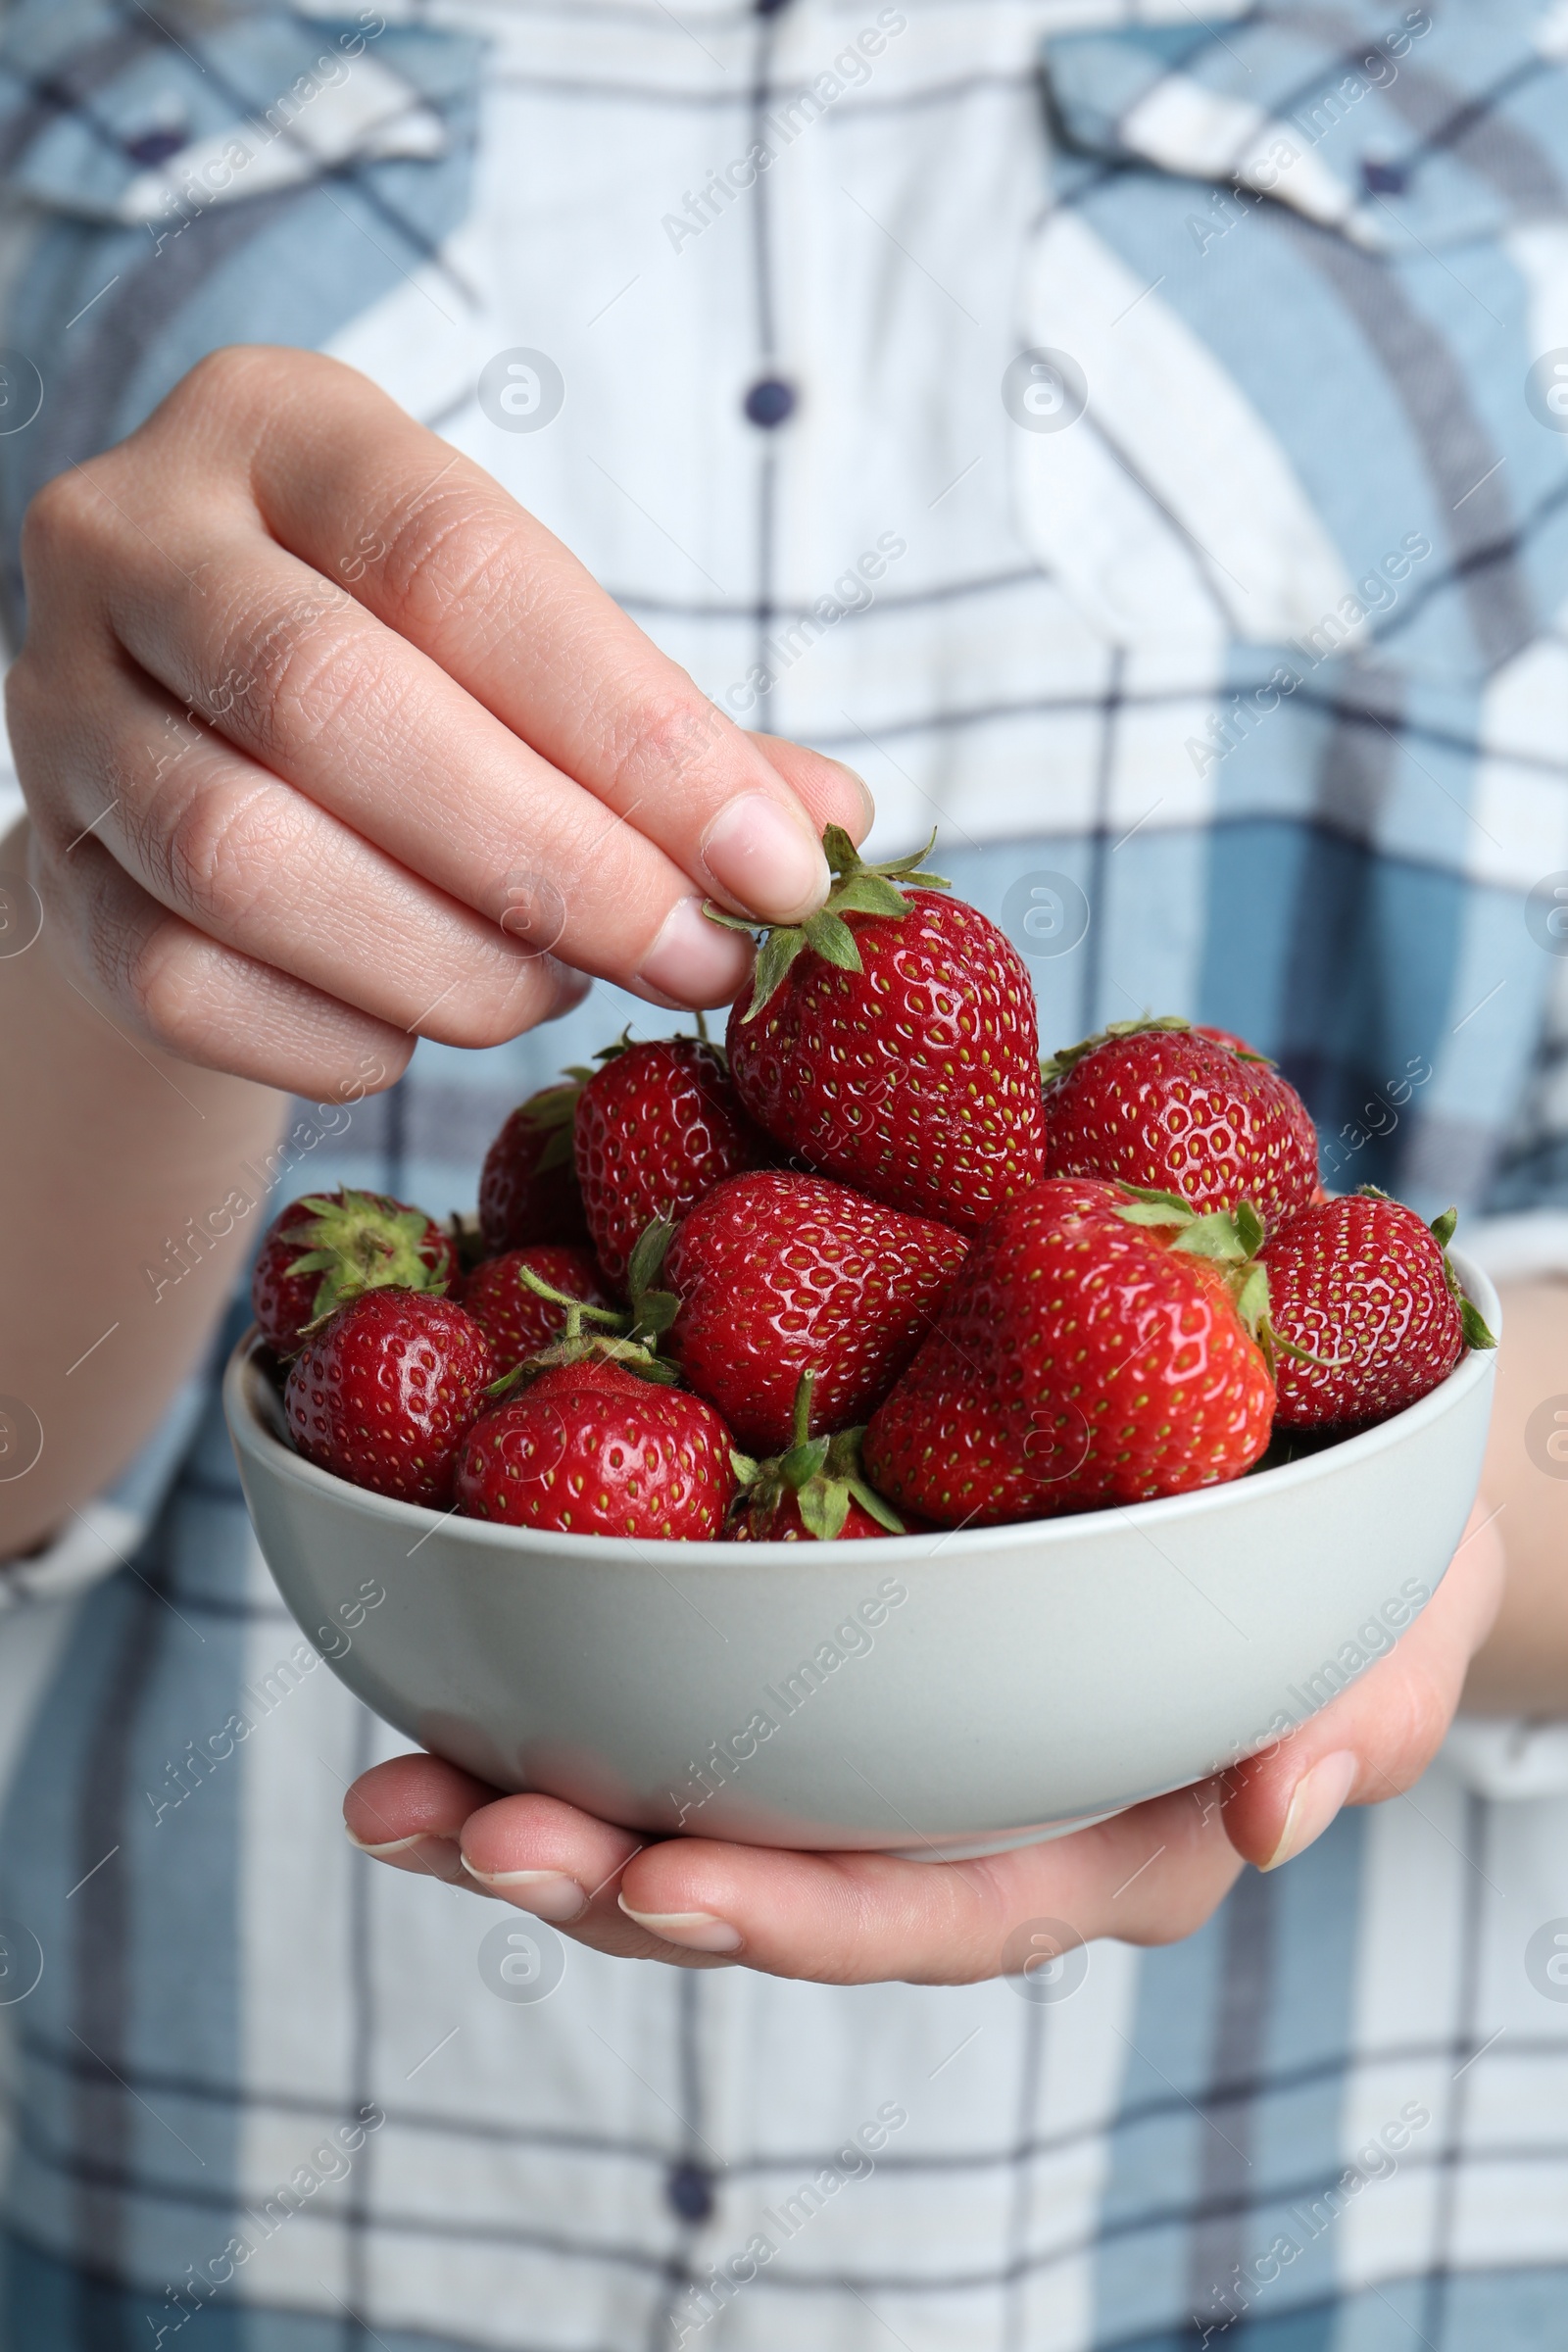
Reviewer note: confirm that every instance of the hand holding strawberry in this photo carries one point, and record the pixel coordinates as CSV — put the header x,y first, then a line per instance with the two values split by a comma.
x,y
891,1042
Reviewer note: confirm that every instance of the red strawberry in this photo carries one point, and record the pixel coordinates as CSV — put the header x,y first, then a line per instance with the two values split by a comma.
x,y
515,1319
325,1248
1363,1286
601,1453
1087,1357
528,1187
816,1493
778,1275
658,1125
1156,1103
891,1041
383,1392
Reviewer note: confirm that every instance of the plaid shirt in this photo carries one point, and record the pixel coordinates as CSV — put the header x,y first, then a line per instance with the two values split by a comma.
x,y
1136,445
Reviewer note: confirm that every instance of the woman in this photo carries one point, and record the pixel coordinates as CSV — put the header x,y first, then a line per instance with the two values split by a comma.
x,y
1134,450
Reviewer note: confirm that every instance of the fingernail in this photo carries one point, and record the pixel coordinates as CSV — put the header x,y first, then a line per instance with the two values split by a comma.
x,y
437,1856
868,803
694,961
766,858
698,1931
1317,1797
548,1893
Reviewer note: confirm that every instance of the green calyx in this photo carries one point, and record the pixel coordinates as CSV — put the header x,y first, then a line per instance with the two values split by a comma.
x,y
825,1475
1477,1334
628,1340
552,1112
857,888
1227,1238
361,1242
1056,1065
1231,1237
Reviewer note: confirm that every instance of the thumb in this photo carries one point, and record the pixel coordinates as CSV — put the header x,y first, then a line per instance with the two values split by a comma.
x,y
1376,1738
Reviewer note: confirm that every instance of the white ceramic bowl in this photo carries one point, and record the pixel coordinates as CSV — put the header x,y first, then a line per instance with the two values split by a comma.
x,y
933,1695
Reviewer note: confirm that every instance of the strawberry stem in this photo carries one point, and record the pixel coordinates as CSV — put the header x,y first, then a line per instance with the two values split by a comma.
x,y
620,1341
857,888
824,1474
801,1427
576,1307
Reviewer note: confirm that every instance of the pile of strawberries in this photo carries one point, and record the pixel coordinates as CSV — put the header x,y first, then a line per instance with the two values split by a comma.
x,y
872,1269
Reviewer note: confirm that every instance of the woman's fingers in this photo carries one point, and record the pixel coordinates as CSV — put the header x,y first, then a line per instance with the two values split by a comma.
x,y
503,607
1150,1875
561,1865
1378,1736
409,1813
220,841
819,784
536,659
419,1814
303,681
477,725
149,970
1147,1875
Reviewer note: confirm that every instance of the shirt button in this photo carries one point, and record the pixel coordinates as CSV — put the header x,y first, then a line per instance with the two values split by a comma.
x,y
152,147
769,402
689,2191
1380,179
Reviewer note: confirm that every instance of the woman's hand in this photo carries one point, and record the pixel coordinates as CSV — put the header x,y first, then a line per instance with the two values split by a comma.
x,y
328,744
1148,1876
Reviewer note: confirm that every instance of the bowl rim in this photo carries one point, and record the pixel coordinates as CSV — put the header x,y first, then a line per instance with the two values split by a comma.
x,y
251,1433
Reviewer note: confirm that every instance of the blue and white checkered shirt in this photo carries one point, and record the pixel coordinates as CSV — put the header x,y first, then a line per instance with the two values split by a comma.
x,y
1139,444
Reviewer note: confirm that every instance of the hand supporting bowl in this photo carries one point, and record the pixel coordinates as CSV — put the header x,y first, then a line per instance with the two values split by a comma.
x,y
928,1695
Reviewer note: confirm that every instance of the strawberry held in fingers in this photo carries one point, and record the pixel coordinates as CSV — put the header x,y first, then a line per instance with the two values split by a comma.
x,y
382,1394
658,1126
1160,1105
515,1319
529,1185
1363,1285
889,1041
597,1452
327,1248
1094,1350
778,1275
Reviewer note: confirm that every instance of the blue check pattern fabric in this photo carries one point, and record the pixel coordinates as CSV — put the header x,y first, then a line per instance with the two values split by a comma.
x,y
1135,444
